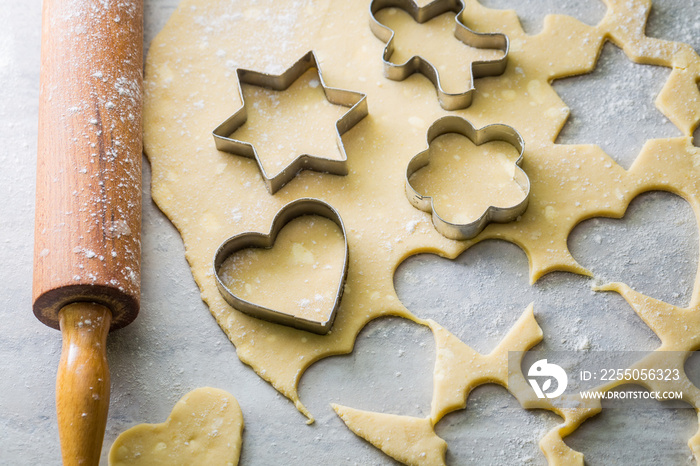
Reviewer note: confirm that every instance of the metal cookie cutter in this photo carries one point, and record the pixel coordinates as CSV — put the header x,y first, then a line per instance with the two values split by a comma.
x,y
479,69
355,100
297,208
455,124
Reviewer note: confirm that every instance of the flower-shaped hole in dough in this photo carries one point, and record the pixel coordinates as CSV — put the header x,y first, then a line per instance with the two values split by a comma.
x,y
468,177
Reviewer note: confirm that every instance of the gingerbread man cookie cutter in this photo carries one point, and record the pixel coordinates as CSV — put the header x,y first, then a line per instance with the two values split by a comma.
x,y
356,101
247,240
495,132
418,64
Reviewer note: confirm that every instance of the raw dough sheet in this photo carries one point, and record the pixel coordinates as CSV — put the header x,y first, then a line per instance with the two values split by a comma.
x,y
194,185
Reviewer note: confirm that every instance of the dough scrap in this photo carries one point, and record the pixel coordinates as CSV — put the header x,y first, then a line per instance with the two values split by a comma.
x,y
204,427
410,440
194,184
459,369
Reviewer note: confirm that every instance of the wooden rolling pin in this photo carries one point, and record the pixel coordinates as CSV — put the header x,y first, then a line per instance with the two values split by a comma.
x,y
88,201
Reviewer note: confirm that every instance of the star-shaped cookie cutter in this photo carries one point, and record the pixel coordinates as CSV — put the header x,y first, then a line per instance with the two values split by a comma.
x,y
496,132
355,100
296,208
401,71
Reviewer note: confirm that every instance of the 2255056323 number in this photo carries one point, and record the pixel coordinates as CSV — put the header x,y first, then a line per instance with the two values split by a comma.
x,y
639,374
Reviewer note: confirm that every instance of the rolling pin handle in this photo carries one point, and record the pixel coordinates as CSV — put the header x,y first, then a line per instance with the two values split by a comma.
x,y
82,382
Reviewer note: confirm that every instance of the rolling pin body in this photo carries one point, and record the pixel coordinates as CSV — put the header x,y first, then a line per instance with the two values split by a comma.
x,y
88,200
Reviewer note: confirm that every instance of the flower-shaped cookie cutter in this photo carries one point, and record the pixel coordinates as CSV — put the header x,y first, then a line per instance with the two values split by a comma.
x,y
355,100
246,240
401,71
496,132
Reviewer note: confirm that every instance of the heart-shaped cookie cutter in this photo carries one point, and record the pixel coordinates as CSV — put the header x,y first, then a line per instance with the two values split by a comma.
x,y
495,132
401,71
246,240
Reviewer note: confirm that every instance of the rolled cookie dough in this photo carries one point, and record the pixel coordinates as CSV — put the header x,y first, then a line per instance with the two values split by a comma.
x,y
191,87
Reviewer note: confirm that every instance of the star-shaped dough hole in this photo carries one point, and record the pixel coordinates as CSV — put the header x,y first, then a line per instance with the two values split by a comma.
x,y
271,127
613,106
468,184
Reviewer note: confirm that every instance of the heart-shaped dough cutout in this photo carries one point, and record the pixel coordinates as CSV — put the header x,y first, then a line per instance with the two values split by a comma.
x,y
295,274
204,427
